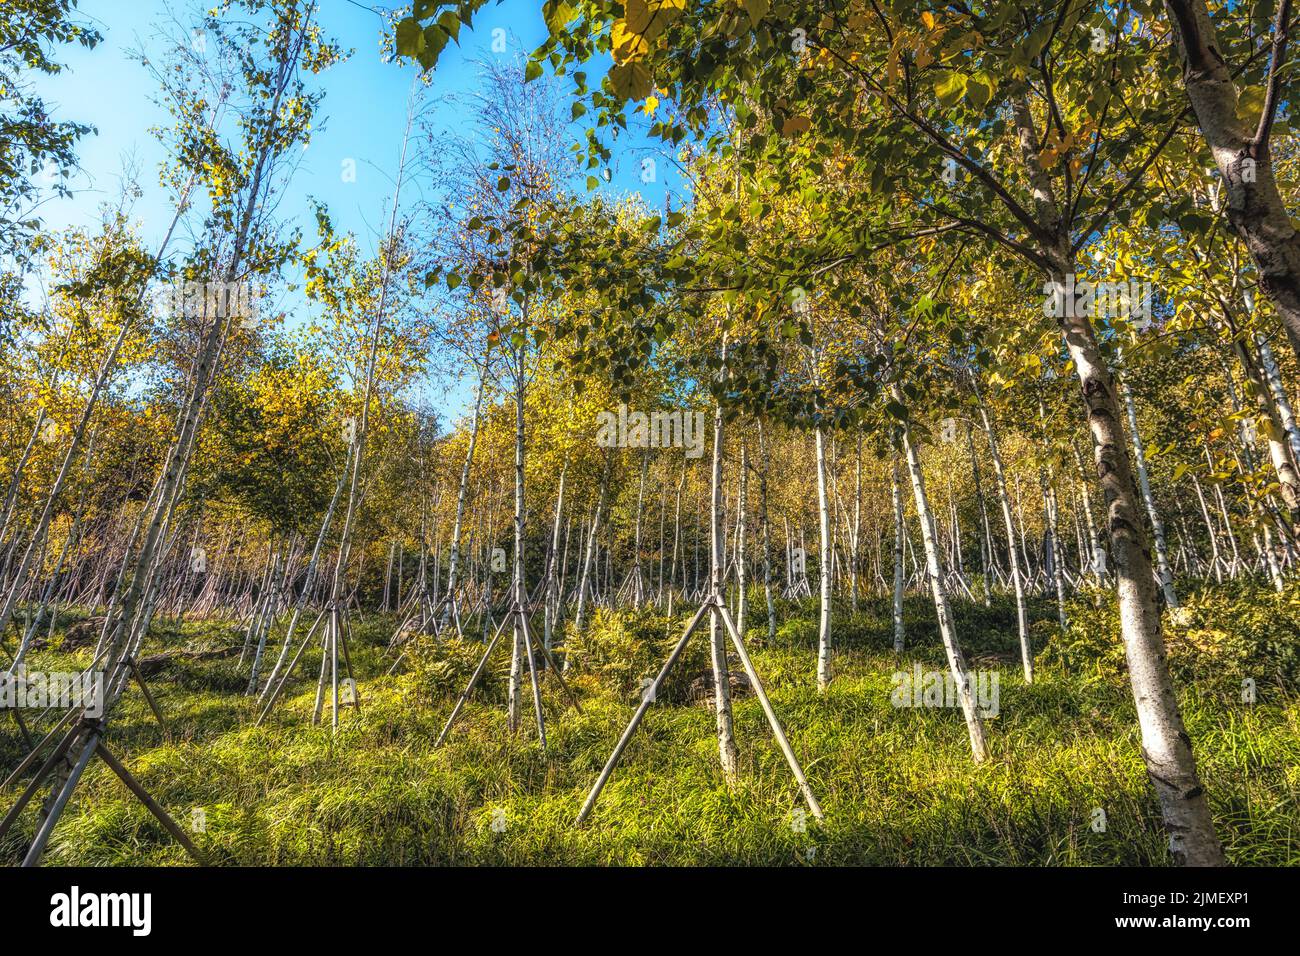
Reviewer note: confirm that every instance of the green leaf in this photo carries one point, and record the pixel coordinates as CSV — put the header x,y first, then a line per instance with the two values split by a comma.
x,y
757,10
451,23
1038,39
979,90
410,38
1250,103
950,89
435,38
557,14
631,81
532,71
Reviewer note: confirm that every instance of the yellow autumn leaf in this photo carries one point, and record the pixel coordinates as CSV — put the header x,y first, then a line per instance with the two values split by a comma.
x,y
627,44
631,81
795,125
649,18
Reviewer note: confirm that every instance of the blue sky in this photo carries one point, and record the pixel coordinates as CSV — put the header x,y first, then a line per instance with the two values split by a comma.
x,y
363,110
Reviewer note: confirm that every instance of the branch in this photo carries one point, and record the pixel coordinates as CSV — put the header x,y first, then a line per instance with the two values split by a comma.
x,y
974,168
1019,248
1275,62
1098,219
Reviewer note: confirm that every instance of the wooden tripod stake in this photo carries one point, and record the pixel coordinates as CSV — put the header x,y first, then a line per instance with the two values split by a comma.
x,y
89,734
520,616
716,606
336,634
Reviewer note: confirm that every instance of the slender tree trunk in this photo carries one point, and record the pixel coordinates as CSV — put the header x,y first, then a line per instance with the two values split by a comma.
x,y
742,596
765,454
15,482
638,578
1171,765
1096,558
1280,398
518,588
1254,207
1216,559
678,549
553,585
1055,553
947,629
1165,573
663,520
453,560
824,523
899,571
1279,447
1166,747
717,646
388,574
1017,580
856,539
584,580
987,564
309,582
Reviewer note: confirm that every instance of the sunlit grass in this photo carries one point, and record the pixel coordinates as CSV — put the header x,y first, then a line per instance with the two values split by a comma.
x,y
897,785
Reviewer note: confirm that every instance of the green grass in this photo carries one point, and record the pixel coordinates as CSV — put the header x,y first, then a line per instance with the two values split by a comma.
x,y
897,785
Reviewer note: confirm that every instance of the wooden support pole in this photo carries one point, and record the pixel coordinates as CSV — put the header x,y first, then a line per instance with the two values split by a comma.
x,y
532,676
35,782
478,672
647,699
284,678
31,757
554,669
761,694
37,849
150,803
153,704
22,728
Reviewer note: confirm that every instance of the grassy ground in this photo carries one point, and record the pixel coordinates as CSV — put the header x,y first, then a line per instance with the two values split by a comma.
x,y
897,784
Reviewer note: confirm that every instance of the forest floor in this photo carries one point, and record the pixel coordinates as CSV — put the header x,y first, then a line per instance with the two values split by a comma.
x,y
897,783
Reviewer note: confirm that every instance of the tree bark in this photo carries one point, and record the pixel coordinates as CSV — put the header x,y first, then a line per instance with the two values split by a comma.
x,y
462,495
824,523
1254,206
934,570
899,571
1165,573
1167,750
1017,579
765,454
742,495
717,646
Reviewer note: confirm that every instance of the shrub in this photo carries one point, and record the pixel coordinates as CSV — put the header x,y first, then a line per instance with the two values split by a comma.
x,y
623,648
